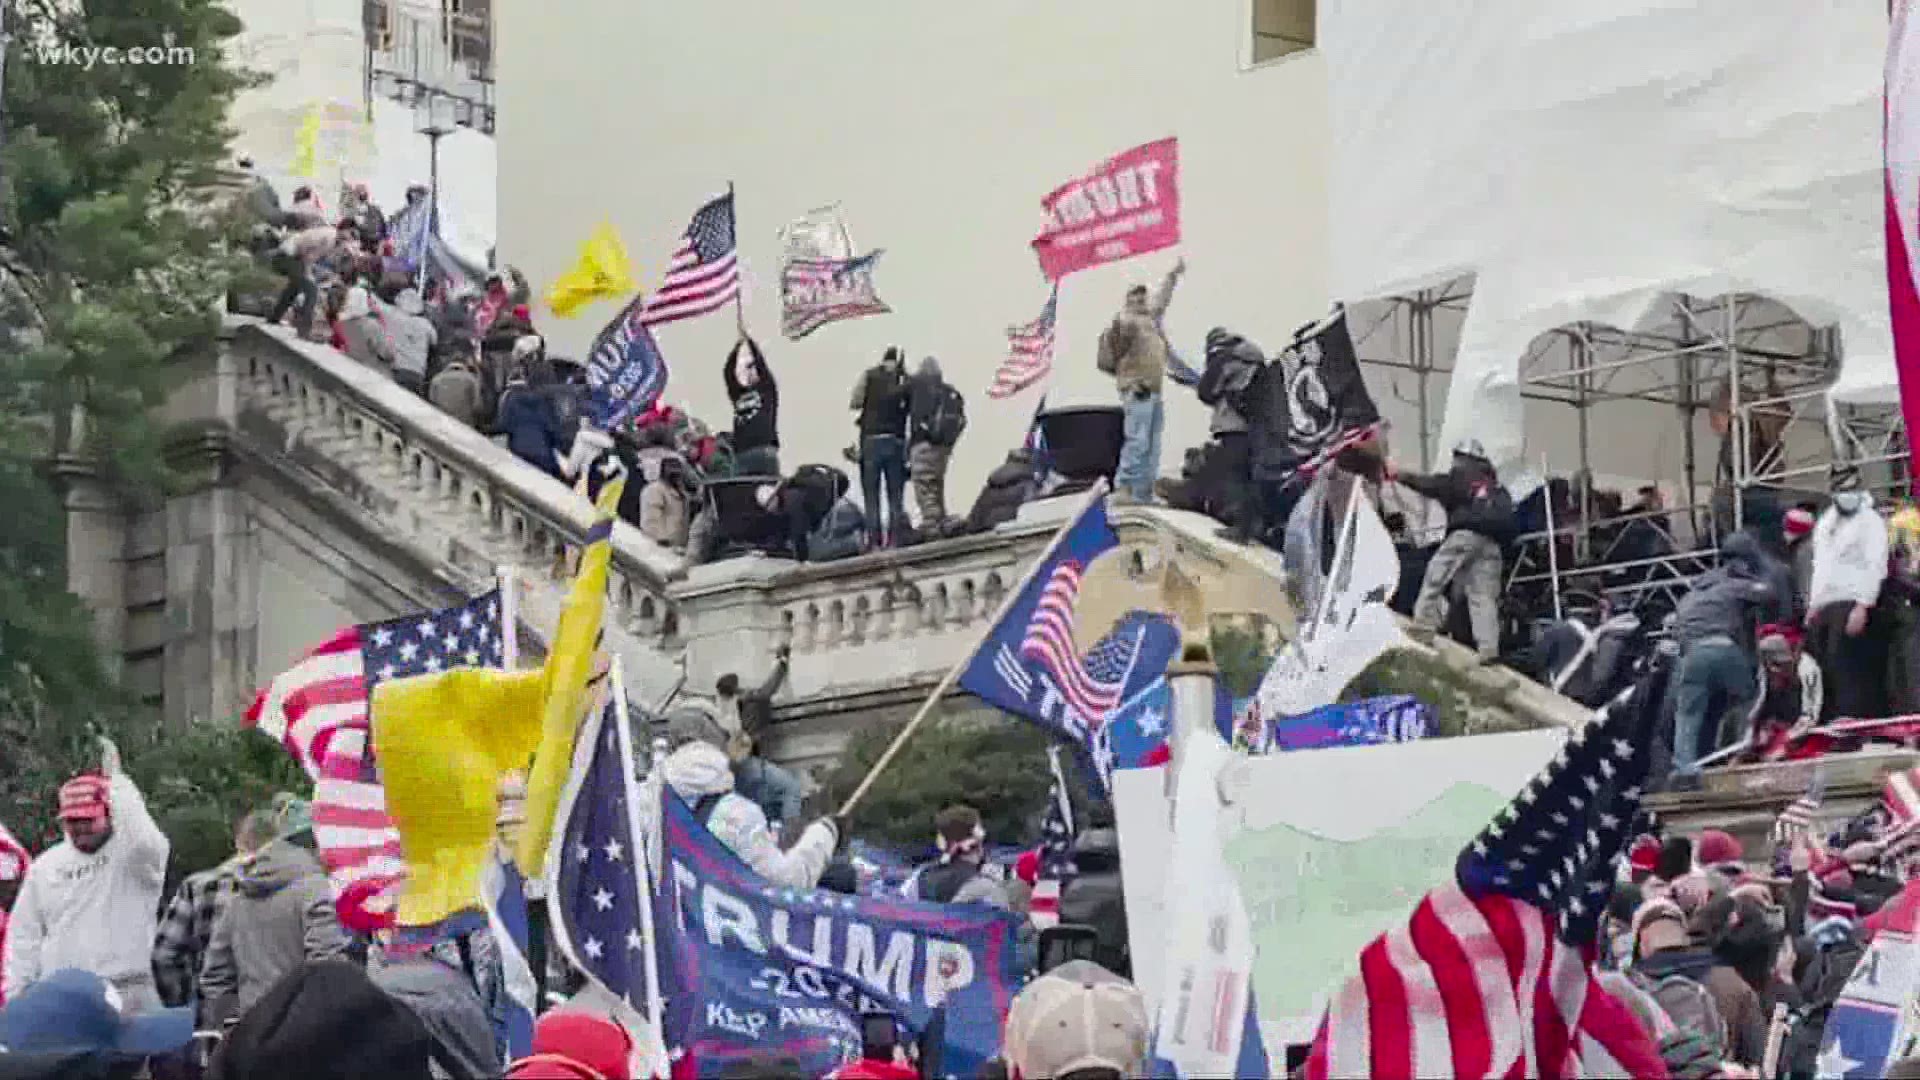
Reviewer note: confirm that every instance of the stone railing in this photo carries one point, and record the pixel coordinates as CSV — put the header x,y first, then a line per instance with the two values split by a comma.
x,y
465,505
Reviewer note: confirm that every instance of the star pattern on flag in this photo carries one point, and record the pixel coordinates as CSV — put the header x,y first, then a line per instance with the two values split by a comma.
x,y
597,896
467,635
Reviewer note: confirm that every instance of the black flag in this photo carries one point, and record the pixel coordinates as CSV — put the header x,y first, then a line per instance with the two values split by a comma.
x,y
1326,396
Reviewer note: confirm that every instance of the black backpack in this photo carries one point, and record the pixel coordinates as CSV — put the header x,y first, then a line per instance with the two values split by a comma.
x,y
949,419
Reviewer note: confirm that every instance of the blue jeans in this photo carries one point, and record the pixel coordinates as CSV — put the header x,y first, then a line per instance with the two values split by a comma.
x,y
883,463
1142,421
1715,678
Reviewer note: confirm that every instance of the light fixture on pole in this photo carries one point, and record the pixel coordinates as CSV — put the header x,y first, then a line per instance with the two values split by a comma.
x,y
433,116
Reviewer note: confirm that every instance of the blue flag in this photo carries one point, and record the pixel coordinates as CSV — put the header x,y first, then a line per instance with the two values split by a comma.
x,y
750,967
505,893
1029,665
1399,718
626,372
595,867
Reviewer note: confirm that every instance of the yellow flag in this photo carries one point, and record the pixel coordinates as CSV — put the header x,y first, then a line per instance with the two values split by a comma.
x,y
445,741
306,145
569,669
602,272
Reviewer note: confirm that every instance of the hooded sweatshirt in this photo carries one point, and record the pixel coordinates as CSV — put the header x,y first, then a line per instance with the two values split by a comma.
x,y
699,770
1232,363
366,339
1849,555
448,1005
410,336
95,912
1723,600
279,916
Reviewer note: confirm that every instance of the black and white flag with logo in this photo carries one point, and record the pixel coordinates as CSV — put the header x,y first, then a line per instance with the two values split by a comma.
x,y
1327,399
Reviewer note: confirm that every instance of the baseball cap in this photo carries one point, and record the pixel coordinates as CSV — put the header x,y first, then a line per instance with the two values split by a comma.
x,y
74,1011
1716,847
576,1043
1077,1016
1798,522
1644,855
84,798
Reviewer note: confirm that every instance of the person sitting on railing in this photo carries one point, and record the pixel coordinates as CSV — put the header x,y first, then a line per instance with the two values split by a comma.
x,y
1790,693
1008,487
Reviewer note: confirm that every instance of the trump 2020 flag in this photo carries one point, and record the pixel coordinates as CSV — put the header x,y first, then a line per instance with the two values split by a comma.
x,y
1873,1022
815,292
626,372
751,968
1029,664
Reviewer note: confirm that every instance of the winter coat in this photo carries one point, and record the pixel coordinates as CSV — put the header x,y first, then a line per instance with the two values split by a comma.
x,y
96,912
1269,425
449,1005
663,514
881,398
838,534
1232,364
457,392
279,916
1134,348
1472,496
1723,600
926,390
698,770
1849,556
1009,486
1737,1003
755,397
1095,898
957,882
410,337
1807,694
531,427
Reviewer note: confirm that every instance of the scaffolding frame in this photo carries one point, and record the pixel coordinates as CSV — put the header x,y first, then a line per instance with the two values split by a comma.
x,y
1775,368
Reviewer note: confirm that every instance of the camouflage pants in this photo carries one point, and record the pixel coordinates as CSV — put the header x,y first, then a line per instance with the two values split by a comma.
x,y
927,468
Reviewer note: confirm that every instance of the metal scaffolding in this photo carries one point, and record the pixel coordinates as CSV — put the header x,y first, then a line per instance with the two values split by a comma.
x,y
1757,370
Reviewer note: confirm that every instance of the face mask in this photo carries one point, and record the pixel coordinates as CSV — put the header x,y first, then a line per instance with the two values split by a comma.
x,y
1849,502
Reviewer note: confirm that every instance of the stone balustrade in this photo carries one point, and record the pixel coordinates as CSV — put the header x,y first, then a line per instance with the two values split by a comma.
x,y
469,507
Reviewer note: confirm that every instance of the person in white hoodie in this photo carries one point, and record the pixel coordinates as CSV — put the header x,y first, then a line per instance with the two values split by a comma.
x,y
702,775
410,338
90,901
1846,633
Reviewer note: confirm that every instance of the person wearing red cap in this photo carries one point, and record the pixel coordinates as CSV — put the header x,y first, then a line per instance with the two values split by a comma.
x,y
572,1044
1718,850
1643,858
90,902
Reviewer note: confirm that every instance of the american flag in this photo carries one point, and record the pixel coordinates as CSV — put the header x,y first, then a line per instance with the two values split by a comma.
x,y
1029,352
596,869
815,292
1091,687
318,709
1493,975
1056,848
704,274
14,857
1798,819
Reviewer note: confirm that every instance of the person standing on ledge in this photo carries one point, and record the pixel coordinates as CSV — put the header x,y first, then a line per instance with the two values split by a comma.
x,y
1134,351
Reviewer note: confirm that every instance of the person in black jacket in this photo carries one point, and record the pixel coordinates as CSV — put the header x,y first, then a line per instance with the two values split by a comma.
x,y
1094,897
880,399
1008,487
936,416
1233,363
1479,520
756,409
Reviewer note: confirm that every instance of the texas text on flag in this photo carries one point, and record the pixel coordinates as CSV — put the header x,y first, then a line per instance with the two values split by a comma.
x,y
593,871
815,292
704,275
751,968
318,709
626,372
1493,973
1028,664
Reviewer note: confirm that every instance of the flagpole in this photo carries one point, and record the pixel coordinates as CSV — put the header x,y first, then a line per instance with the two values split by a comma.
x,y
535,887
739,306
509,619
642,876
1553,541
1094,494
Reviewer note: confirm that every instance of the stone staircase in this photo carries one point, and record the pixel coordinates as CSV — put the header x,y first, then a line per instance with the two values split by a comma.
x,y
460,504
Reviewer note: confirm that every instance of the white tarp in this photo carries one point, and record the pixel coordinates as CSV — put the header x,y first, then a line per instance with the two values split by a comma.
x,y
1582,159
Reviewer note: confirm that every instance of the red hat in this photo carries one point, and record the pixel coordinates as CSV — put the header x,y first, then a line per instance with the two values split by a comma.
x,y
1027,867
571,1044
1644,855
1798,522
866,1069
84,798
1716,848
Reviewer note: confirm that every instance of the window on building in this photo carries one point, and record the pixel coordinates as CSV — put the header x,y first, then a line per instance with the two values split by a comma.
x,y
1281,28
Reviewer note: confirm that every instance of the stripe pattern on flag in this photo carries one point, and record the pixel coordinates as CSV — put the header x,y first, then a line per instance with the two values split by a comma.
x,y
815,292
704,274
1092,687
1056,848
319,710
1029,352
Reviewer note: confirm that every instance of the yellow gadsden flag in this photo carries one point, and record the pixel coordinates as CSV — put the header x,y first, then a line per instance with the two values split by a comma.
x,y
602,272
445,741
